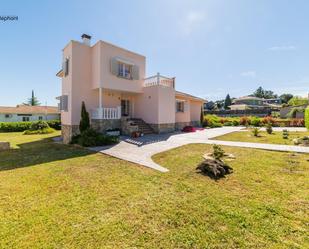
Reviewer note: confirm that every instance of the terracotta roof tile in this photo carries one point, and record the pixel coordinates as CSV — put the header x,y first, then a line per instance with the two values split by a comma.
x,y
25,109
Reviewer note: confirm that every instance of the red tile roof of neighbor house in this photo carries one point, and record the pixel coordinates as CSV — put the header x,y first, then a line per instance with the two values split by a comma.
x,y
26,109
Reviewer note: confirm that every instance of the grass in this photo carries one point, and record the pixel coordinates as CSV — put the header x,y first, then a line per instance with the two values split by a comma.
x,y
264,137
17,138
57,196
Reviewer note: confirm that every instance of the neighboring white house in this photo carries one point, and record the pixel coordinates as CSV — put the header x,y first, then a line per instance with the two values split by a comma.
x,y
28,113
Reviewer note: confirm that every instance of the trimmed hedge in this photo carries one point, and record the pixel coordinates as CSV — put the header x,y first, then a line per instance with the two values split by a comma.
x,y
307,117
22,126
215,121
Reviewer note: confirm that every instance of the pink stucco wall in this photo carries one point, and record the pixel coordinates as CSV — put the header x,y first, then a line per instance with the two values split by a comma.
x,y
66,116
156,105
195,110
192,110
102,54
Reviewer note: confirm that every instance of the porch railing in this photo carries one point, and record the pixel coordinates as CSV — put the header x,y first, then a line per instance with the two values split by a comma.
x,y
106,113
159,80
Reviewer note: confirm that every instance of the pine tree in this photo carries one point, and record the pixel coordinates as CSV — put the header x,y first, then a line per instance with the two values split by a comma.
x,y
227,102
33,101
84,123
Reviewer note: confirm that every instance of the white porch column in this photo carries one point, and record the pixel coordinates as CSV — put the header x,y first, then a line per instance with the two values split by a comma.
x,y
100,103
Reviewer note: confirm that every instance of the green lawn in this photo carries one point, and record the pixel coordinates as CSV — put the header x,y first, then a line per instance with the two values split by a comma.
x,y
57,196
264,137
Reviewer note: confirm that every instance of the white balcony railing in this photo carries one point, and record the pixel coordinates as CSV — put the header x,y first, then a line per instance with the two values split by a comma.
x,y
106,113
159,80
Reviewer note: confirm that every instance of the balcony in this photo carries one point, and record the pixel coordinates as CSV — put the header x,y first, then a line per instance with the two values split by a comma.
x,y
106,113
159,80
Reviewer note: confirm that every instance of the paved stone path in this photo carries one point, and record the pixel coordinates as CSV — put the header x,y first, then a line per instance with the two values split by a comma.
x,y
142,149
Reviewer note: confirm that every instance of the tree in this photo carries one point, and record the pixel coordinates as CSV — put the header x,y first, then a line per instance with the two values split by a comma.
x,y
219,104
84,123
33,101
296,100
227,102
259,93
286,97
264,94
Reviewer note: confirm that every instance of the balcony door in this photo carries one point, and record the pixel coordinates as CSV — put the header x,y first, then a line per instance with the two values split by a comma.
x,y
125,107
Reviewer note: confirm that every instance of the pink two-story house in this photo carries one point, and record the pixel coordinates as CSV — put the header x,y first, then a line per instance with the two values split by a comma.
x,y
112,83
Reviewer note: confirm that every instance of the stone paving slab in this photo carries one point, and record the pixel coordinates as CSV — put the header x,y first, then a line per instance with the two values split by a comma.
x,y
153,144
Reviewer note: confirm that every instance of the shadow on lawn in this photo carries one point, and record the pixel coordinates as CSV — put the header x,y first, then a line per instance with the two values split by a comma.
x,y
38,152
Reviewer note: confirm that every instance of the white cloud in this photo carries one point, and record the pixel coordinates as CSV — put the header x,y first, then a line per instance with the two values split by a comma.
x,y
191,21
250,74
283,48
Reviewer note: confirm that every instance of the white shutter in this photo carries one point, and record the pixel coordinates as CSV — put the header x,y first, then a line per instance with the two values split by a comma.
x,y
114,66
186,106
135,72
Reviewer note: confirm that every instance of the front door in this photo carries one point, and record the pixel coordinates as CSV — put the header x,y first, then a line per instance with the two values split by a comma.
x,y
125,107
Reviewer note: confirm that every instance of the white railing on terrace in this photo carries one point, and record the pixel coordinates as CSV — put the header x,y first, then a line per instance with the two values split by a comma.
x,y
106,113
159,80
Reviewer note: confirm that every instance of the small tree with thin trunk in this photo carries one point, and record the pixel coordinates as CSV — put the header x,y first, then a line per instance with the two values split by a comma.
x,y
84,123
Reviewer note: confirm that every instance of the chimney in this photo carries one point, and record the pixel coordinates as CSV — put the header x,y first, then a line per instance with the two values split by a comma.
x,y
86,39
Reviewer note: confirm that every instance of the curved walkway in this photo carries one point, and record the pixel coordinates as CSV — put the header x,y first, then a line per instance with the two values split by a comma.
x,y
142,149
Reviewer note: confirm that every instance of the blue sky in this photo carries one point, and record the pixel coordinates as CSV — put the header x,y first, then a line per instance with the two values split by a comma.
x,y
211,47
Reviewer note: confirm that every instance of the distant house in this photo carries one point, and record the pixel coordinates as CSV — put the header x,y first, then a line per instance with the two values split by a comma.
x,y
251,102
28,113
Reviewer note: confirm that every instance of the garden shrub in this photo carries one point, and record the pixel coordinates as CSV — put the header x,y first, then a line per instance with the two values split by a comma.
x,y
269,128
268,120
40,131
218,152
90,137
255,121
285,134
212,121
228,123
297,122
244,121
84,123
307,117
256,131
235,122
39,127
14,126
55,124
22,126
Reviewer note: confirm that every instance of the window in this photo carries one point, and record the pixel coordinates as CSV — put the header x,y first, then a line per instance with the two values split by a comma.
x,y
26,119
125,70
65,67
8,115
180,106
40,118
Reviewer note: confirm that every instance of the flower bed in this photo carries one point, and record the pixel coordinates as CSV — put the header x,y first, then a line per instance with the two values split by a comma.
x,y
215,121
